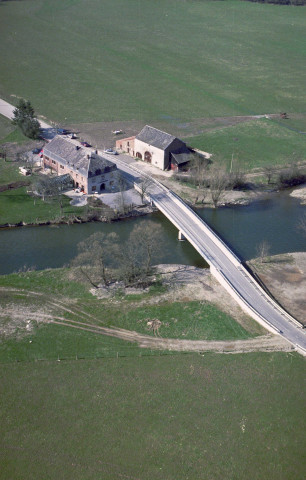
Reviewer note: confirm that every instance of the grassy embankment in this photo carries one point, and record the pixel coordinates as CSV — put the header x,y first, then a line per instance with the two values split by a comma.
x,y
167,418
16,206
168,60
61,294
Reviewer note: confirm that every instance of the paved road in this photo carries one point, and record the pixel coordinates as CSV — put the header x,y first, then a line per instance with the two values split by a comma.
x,y
6,109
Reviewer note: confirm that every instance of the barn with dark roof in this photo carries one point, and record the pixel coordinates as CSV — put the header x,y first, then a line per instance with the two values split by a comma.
x,y
89,171
159,148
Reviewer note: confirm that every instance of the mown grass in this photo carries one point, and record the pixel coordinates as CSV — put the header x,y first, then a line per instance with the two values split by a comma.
x,y
257,143
167,418
192,321
65,299
17,206
16,136
6,127
171,60
57,342
9,172
9,133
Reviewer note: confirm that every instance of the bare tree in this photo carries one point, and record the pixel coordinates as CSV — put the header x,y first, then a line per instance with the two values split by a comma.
x,y
122,186
96,255
3,152
103,258
263,250
269,171
302,224
28,159
143,188
218,184
198,169
147,240
236,179
135,257
50,189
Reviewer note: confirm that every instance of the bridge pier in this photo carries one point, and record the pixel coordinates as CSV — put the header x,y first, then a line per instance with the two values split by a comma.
x,y
181,236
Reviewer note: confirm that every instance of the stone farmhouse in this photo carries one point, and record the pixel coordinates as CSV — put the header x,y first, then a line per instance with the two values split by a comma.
x,y
156,147
89,172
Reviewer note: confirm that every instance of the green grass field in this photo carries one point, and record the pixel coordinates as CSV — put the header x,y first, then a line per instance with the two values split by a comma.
x,y
170,417
17,206
80,61
256,143
62,293
9,133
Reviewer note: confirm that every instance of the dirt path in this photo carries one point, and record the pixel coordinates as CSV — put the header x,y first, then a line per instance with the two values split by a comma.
x,y
263,343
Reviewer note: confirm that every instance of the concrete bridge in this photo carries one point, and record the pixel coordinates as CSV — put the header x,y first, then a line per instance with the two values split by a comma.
x,y
226,267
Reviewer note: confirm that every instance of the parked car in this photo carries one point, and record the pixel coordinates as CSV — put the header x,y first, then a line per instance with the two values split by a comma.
x,y
110,151
62,131
85,144
36,151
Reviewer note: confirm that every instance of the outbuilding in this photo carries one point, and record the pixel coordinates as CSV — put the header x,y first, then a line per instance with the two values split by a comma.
x,y
156,147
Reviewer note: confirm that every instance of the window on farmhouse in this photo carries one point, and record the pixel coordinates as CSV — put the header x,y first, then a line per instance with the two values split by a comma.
x,y
93,188
54,162
62,166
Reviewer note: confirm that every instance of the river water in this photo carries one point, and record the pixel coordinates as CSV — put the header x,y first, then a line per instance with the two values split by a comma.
x,y
274,220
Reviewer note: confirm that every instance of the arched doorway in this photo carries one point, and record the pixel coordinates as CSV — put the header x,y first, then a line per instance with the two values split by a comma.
x,y
148,157
102,187
138,155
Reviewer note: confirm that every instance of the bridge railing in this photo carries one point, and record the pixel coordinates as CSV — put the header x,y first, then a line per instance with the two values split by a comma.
x,y
202,251
208,230
242,301
269,298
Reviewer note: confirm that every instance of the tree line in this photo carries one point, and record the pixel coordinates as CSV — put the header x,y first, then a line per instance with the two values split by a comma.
x,y
104,259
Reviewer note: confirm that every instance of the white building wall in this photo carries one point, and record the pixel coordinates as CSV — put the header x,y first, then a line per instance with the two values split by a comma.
x,y
158,156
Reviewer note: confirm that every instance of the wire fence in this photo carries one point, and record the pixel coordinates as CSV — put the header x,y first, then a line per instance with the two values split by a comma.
x,y
145,353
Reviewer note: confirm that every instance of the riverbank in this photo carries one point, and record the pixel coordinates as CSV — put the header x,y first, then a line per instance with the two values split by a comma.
x,y
182,307
285,277
300,193
89,218
20,209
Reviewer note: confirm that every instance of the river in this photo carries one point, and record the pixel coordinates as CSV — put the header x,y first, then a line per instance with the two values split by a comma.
x,y
274,220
